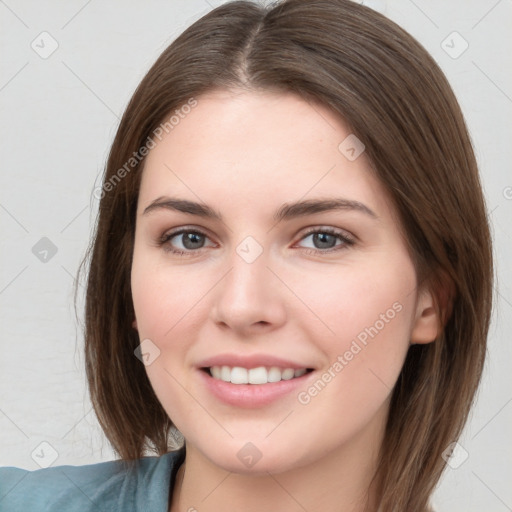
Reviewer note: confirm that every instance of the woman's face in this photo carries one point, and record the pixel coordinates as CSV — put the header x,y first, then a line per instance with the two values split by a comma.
x,y
264,280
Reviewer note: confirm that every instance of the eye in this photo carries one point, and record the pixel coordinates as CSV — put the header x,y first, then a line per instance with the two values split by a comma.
x,y
191,240
325,240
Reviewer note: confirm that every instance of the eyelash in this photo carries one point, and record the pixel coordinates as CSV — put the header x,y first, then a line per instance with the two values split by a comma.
x,y
347,241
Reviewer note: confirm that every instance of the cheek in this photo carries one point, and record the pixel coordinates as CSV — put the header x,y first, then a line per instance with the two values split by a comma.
x,y
163,296
169,307
370,309
349,299
165,304
363,322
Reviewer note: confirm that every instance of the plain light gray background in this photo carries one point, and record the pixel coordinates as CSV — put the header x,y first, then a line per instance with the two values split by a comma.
x,y
59,115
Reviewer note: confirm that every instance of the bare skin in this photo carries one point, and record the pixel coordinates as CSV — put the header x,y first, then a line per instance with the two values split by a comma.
x,y
304,298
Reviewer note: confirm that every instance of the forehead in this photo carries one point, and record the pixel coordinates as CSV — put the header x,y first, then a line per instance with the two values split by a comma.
x,y
241,148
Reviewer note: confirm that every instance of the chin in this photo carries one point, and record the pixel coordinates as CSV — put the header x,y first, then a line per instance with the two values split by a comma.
x,y
254,458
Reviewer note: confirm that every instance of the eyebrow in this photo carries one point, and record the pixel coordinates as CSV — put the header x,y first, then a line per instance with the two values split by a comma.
x,y
286,212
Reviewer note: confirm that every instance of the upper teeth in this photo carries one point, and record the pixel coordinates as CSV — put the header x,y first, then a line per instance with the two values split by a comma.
x,y
260,375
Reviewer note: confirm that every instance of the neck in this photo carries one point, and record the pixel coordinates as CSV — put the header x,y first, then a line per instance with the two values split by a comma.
x,y
340,480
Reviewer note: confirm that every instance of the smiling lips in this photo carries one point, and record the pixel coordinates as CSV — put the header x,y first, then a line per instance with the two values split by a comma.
x,y
252,369
259,375
251,380
261,392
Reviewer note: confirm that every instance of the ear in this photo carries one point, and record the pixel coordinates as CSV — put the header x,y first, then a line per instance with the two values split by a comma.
x,y
431,315
134,324
426,321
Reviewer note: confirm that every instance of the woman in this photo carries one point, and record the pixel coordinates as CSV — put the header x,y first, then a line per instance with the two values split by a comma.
x,y
321,345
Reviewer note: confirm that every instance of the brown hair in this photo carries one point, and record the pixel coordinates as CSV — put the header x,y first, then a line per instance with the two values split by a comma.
x,y
397,101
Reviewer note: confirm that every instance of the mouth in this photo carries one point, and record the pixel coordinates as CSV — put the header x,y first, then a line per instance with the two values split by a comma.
x,y
254,388
257,376
253,380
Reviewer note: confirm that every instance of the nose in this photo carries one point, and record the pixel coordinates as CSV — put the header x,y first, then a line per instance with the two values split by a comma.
x,y
249,298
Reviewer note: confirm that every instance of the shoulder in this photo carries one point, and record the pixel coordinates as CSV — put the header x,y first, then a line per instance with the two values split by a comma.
x,y
116,485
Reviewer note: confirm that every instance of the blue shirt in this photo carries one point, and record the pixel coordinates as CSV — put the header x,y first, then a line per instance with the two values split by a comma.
x,y
104,487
